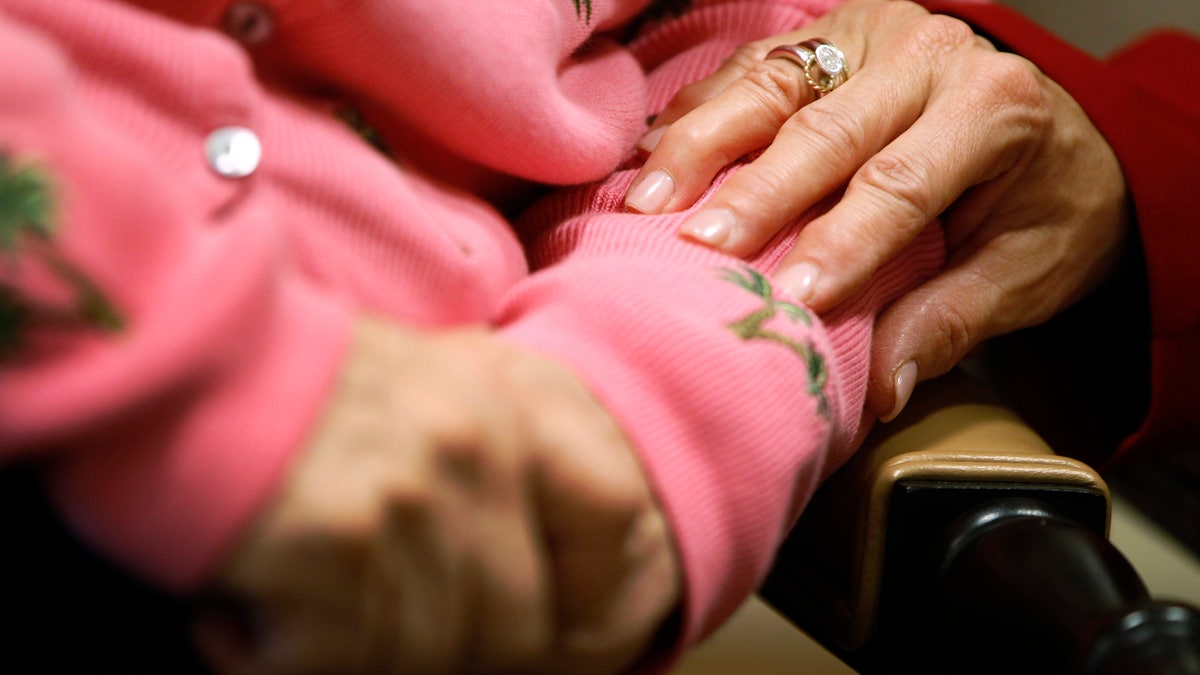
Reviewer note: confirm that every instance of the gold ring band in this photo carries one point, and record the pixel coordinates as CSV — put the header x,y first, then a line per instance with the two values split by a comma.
x,y
824,65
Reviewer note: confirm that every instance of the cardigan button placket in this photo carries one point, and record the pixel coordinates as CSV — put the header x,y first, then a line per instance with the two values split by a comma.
x,y
250,23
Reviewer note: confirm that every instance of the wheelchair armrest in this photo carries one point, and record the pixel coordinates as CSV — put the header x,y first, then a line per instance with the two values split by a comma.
x,y
957,522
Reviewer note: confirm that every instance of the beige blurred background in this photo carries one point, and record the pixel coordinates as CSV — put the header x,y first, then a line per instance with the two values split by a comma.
x,y
757,641
1100,26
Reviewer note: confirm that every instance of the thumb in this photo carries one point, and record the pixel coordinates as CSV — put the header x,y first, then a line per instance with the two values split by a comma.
x,y
927,332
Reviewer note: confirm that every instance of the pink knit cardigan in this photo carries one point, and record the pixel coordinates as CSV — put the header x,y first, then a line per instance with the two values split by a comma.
x,y
163,439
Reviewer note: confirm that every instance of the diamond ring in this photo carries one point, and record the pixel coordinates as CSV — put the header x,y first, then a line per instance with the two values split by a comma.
x,y
824,65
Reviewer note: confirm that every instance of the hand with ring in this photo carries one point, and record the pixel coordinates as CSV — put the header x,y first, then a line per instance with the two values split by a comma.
x,y
917,118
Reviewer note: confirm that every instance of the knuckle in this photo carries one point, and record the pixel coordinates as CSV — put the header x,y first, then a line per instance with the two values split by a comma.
x,y
893,13
757,189
777,85
466,462
898,8
618,500
1014,90
903,183
1009,79
937,33
702,138
688,134
623,500
951,331
632,502
747,55
838,130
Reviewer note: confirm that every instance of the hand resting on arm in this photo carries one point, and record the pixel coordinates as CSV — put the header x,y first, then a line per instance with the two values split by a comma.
x,y
933,122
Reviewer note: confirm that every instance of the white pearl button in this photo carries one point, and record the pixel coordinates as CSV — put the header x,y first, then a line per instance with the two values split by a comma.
x,y
249,23
233,152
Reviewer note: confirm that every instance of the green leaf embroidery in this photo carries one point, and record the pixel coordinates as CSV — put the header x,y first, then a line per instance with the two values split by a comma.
x,y
580,7
753,327
749,279
27,209
25,204
794,312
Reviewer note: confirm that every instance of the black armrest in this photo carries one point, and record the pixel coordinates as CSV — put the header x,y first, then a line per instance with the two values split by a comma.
x,y
957,533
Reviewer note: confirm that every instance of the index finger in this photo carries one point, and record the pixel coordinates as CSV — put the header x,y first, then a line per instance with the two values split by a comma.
x,y
739,109
742,117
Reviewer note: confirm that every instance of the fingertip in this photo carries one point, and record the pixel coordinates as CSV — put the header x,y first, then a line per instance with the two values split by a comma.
x,y
710,226
814,283
823,273
651,193
799,280
893,348
934,325
650,140
903,380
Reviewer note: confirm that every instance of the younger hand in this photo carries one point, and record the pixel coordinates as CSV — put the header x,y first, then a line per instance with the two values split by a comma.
x,y
464,507
932,122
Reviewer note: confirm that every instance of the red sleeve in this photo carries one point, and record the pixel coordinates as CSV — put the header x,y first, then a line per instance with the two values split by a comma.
x,y
1145,99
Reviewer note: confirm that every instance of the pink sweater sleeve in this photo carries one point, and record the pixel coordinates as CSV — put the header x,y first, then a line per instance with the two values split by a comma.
x,y
738,400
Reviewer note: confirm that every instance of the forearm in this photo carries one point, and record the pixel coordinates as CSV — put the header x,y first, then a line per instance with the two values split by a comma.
x,y
735,403
737,410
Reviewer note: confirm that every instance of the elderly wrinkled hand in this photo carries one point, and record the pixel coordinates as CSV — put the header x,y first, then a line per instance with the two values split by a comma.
x,y
932,121
465,506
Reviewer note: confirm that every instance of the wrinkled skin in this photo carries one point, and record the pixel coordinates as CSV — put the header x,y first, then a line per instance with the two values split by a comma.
x,y
464,506
933,122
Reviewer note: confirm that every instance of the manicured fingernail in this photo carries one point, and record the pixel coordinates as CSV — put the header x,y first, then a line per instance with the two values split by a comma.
x,y
650,141
652,193
799,280
710,226
903,381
